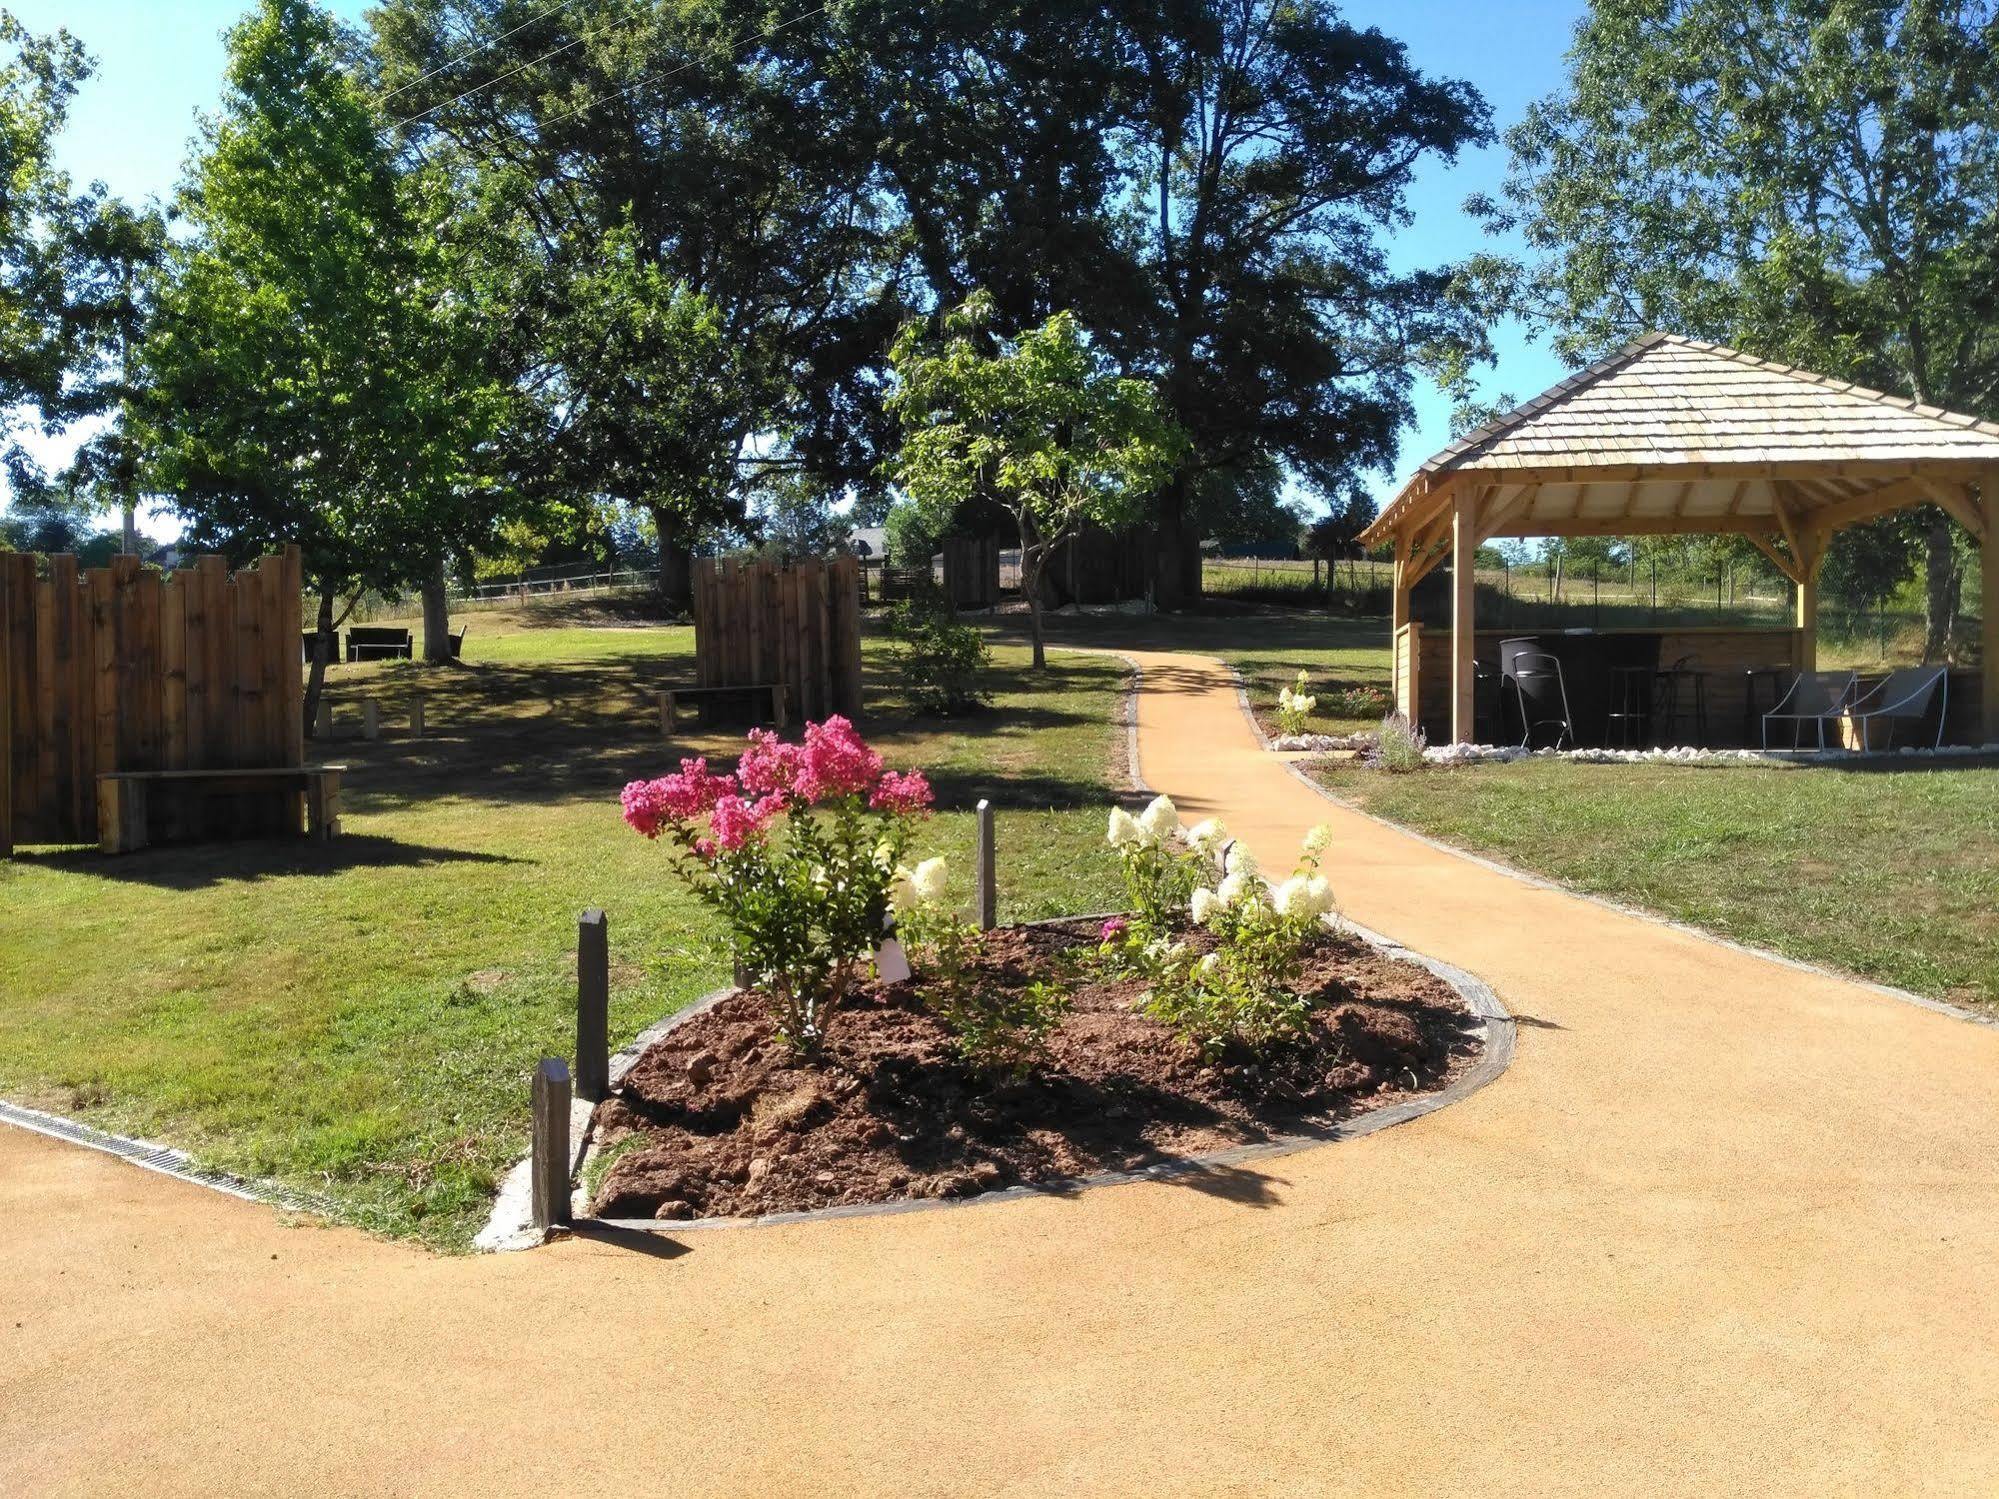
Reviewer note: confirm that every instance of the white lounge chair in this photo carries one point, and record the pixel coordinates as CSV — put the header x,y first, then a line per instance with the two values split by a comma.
x,y
1815,697
1902,696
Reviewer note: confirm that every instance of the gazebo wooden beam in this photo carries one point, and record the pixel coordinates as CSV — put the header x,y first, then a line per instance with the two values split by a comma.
x,y
1783,562
1988,591
1956,499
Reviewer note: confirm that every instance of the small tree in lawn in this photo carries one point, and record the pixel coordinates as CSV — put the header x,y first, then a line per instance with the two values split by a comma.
x,y
1039,424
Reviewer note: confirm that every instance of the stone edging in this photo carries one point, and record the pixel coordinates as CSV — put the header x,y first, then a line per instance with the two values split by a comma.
x,y
1496,1026
149,1155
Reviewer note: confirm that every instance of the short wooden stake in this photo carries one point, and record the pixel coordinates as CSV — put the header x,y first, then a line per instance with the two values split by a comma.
x,y
669,716
371,719
988,895
416,718
551,1143
593,1008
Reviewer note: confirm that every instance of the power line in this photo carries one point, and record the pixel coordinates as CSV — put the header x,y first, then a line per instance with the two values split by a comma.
x,y
660,77
519,68
450,63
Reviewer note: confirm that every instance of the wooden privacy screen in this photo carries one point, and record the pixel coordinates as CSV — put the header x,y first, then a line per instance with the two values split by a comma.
x,y
759,624
126,669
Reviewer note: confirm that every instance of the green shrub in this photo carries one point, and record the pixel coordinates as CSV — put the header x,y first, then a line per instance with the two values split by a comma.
x,y
993,1028
943,660
1359,701
1398,749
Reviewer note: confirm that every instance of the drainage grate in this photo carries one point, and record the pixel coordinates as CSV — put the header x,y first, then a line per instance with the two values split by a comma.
x,y
165,1160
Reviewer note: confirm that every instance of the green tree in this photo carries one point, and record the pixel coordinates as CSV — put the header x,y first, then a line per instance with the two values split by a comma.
x,y
675,175
1039,424
1815,183
113,255
305,379
1269,147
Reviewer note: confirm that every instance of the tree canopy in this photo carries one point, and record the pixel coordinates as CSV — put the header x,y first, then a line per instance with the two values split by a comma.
x,y
1817,184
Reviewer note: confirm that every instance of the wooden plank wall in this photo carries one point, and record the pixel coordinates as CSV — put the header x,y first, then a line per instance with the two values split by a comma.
x,y
126,668
972,571
758,622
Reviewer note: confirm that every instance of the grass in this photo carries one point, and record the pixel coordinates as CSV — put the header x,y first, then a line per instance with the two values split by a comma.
x,y
1889,873
360,1019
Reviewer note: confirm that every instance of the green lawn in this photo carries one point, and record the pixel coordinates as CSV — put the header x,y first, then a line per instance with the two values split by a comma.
x,y
1891,873
360,1019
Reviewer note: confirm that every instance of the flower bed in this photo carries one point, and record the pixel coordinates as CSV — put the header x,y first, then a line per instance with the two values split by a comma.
x,y
1224,1009
721,1119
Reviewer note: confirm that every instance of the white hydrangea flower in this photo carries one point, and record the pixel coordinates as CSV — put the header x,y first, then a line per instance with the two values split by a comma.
x,y
902,894
1241,859
1124,829
1203,906
1289,898
1209,966
1234,886
1318,895
1159,819
1206,836
1319,839
929,878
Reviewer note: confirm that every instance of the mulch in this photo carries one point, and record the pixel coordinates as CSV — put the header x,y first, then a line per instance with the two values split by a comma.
x,y
720,1118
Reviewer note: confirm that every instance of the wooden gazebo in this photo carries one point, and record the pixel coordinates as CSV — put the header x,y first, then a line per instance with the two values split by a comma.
x,y
1672,436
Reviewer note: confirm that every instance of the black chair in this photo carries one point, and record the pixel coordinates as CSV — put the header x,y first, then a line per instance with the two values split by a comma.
x,y
1628,724
1540,692
1488,702
1668,711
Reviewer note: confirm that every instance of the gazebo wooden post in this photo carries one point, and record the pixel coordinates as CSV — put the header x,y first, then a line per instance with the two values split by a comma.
x,y
1464,581
1398,616
1988,571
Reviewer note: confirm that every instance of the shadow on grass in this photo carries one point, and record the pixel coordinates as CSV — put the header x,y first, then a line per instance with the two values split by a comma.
x,y
195,866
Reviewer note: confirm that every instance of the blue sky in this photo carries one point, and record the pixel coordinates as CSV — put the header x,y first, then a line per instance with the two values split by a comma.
x,y
160,63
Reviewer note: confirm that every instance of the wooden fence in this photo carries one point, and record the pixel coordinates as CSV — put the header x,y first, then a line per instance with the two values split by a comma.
x,y
127,669
760,624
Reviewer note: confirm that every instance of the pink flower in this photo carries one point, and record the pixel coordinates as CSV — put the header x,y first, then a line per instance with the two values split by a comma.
x,y
769,764
902,791
735,821
836,762
643,807
687,793
1113,929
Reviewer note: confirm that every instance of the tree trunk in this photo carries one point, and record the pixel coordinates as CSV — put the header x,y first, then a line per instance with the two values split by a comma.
x,y
436,618
130,544
1945,577
676,559
322,654
1176,553
1033,580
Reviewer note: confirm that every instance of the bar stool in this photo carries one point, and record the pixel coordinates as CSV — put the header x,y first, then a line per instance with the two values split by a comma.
x,y
1667,710
1632,699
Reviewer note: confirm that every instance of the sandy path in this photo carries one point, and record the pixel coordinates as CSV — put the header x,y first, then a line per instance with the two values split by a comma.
x,y
1724,1226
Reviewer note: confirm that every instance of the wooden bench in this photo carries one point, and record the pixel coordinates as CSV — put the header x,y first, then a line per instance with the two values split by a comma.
x,y
669,701
379,643
124,798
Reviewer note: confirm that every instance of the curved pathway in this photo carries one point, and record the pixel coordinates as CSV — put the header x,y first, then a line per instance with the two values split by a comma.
x,y
1725,1226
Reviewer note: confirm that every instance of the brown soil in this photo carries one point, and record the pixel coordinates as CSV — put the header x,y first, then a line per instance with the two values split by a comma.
x,y
721,1119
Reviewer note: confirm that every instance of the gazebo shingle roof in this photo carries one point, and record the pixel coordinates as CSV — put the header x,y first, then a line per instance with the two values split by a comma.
x,y
1671,406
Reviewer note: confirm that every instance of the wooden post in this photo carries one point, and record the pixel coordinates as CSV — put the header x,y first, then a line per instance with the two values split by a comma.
x,y
988,896
322,726
371,718
1808,602
416,718
1988,615
1464,547
669,715
1398,616
777,713
593,1007
550,1167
